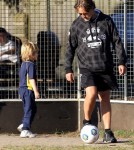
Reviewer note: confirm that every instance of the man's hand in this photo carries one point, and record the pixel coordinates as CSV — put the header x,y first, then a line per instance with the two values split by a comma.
x,y
70,77
122,69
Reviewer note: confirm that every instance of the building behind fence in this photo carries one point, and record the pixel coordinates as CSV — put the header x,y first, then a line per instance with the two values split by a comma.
x,y
46,23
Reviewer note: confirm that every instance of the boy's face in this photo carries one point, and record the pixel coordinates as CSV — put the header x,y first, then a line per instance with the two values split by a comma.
x,y
84,14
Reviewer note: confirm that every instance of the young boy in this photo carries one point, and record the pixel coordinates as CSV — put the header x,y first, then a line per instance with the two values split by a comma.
x,y
27,87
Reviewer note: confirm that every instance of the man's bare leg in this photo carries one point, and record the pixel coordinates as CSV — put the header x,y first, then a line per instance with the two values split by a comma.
x,y
104,98
89,102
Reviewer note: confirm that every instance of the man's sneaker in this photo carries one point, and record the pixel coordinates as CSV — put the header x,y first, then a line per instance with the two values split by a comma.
x,y
109,137
27,134
85,122
19,128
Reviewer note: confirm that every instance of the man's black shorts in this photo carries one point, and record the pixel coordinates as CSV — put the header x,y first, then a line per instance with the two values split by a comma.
x,y
103,81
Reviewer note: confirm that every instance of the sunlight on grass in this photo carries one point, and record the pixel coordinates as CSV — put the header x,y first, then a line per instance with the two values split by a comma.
x,y
118,133
105,147
124,134
126,144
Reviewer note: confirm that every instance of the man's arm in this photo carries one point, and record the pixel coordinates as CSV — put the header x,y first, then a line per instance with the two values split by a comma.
x,y
118,45
70,52
8,48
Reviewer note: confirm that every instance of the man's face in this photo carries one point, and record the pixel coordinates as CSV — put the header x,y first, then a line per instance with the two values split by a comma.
x,y
2,38
84,14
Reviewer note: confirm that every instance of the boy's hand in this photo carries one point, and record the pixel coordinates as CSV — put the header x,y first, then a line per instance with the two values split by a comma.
x,y
37,95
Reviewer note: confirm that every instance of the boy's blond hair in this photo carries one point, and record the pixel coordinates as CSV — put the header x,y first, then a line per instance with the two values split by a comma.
x,y
28,49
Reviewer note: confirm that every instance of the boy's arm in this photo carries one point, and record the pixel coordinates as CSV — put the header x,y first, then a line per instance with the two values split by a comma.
x,y
35,89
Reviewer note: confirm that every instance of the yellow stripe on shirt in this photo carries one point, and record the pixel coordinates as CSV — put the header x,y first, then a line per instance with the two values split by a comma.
x,y
29,86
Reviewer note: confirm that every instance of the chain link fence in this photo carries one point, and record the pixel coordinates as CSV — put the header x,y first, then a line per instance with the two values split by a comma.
x,y
46,23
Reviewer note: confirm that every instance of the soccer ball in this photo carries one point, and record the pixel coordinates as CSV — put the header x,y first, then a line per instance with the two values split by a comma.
x,y
89,134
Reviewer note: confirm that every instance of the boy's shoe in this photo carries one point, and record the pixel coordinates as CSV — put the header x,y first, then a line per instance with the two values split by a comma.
x,y
109,137
27,134
19,128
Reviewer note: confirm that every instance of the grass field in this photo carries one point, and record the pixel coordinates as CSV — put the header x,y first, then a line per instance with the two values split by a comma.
x,y
68,141
129,146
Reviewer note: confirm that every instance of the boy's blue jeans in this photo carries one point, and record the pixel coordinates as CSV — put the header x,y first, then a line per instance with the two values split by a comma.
x,y
29,106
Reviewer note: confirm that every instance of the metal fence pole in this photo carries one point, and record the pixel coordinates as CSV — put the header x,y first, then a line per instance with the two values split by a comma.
x,y
78,96
48,15
125,46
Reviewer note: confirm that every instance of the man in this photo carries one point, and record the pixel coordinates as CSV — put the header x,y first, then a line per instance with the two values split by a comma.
x,y
90,37
7,47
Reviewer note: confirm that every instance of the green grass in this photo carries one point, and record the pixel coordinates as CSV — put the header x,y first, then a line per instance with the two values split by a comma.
x,y
105,147
124,134
126,145
118,133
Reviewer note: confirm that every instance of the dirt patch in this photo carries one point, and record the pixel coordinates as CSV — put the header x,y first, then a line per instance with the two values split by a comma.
x,y
55,140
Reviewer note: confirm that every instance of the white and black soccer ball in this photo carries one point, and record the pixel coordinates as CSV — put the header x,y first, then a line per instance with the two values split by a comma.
x,y
89,134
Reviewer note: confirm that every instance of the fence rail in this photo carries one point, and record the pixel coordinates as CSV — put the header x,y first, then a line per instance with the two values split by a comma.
x,y
47,23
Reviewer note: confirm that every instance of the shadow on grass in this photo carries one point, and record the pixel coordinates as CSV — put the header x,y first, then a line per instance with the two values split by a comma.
x,y
121,141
